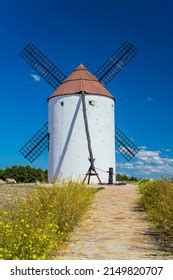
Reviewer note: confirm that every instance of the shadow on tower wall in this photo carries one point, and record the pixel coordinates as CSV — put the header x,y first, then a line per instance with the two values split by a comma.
x,y
68,138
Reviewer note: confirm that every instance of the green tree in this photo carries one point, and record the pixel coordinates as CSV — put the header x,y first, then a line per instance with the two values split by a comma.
x,y
24,174
120,177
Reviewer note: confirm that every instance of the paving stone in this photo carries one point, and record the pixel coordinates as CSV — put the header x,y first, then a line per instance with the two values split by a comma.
x,y
113,228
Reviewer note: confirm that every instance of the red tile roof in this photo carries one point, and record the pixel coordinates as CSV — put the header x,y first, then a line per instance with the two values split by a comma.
x,y
81,80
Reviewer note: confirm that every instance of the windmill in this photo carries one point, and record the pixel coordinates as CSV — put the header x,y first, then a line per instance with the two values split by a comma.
x,y
81,124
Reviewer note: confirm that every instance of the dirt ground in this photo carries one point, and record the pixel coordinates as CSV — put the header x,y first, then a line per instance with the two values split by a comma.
x,y
10,195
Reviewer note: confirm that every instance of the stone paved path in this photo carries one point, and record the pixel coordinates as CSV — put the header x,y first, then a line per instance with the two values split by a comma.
x,y
113,228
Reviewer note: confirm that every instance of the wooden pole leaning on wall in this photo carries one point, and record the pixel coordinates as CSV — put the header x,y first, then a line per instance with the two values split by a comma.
x,y
91,171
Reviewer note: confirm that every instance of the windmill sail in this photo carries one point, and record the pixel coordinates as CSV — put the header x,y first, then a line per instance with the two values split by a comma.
x,y
37,144
124,145
44,67
40,142
115,63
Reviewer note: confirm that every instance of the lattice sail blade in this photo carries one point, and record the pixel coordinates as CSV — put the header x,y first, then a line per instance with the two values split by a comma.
x,y
124,145
37,144
44,67
116,63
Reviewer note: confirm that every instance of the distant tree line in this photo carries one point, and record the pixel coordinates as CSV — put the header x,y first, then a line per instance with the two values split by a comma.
x,y
28,174
24,174
120,177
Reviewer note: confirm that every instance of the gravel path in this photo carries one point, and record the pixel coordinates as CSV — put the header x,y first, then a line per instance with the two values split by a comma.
x,y
113,228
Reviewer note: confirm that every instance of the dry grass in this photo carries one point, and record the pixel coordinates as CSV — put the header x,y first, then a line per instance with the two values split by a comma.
x,y
157,200
34,227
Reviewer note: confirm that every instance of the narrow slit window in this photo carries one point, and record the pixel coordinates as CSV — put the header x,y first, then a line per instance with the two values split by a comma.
x,y
92,102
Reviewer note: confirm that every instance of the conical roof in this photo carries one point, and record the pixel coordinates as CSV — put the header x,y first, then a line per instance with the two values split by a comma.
x,y
81,80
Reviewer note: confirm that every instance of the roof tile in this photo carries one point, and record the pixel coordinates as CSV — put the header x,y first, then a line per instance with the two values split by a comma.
x,y
81,80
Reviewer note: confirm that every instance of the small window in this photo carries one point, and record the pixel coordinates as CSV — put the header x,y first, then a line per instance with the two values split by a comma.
x,y
62,103
92,102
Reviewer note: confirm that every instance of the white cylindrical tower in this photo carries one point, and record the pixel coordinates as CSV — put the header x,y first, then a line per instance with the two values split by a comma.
x,y
68,149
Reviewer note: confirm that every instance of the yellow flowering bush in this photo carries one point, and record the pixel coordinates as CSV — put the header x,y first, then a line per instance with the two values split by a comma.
x,y
157,200
43,221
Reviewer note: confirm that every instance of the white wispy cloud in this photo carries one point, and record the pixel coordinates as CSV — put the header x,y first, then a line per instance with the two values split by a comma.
x,y
35,77
149,163
143,147
149,99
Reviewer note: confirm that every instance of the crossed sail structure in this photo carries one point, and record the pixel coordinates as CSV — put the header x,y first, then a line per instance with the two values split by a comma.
x,y
52,74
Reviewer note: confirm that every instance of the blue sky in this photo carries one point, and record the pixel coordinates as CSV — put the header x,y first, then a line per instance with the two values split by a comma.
x,y
73,32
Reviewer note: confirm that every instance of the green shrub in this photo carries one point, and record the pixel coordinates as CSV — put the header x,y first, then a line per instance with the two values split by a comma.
x,y
43,221
157,200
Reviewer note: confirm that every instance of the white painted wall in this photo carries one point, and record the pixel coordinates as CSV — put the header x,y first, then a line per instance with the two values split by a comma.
x,y
68,150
